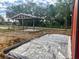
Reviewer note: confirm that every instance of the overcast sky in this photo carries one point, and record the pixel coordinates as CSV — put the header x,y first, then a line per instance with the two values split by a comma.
x,y
3,7
12,1
7,0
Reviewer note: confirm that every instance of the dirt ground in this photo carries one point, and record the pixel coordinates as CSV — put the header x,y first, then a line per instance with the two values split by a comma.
x,y
10,38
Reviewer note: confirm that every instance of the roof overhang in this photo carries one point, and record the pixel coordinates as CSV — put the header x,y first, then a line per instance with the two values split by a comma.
x,y
25,16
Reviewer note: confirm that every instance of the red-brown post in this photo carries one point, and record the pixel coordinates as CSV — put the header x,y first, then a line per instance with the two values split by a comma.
x,y
75,30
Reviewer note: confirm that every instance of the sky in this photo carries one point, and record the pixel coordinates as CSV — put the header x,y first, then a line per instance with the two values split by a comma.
x,y
12,1
7,1
50,1
3,3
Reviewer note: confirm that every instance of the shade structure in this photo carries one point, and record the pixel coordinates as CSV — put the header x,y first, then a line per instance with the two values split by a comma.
x,y
23,16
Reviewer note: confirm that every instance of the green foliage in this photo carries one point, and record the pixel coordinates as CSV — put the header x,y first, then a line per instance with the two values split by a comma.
x,y
57,15
1,20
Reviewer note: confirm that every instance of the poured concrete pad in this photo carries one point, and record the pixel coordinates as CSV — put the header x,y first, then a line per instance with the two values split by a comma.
x,y
50,46
31,30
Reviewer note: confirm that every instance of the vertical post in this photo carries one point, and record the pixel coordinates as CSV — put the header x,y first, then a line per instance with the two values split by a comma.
x,y
75,36
8,25
33,24
77,33
14,24
18,24
22,24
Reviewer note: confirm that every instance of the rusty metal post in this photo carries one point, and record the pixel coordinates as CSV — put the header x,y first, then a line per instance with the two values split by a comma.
x,y
75,39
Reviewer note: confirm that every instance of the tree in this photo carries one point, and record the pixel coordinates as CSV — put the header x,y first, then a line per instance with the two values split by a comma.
x,y
1,20
55,15
63,11
30,8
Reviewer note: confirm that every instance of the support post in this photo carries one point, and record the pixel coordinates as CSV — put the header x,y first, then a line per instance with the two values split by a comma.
x,y
33,24
75,33
23,24
8,25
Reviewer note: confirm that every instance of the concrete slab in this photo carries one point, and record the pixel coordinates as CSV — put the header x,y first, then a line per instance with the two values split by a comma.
x,y
50,46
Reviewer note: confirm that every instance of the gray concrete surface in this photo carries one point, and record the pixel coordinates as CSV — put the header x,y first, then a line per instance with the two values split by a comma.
x,y
50,46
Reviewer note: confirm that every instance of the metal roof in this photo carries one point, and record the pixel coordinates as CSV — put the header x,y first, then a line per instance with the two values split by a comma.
x,y
25,16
